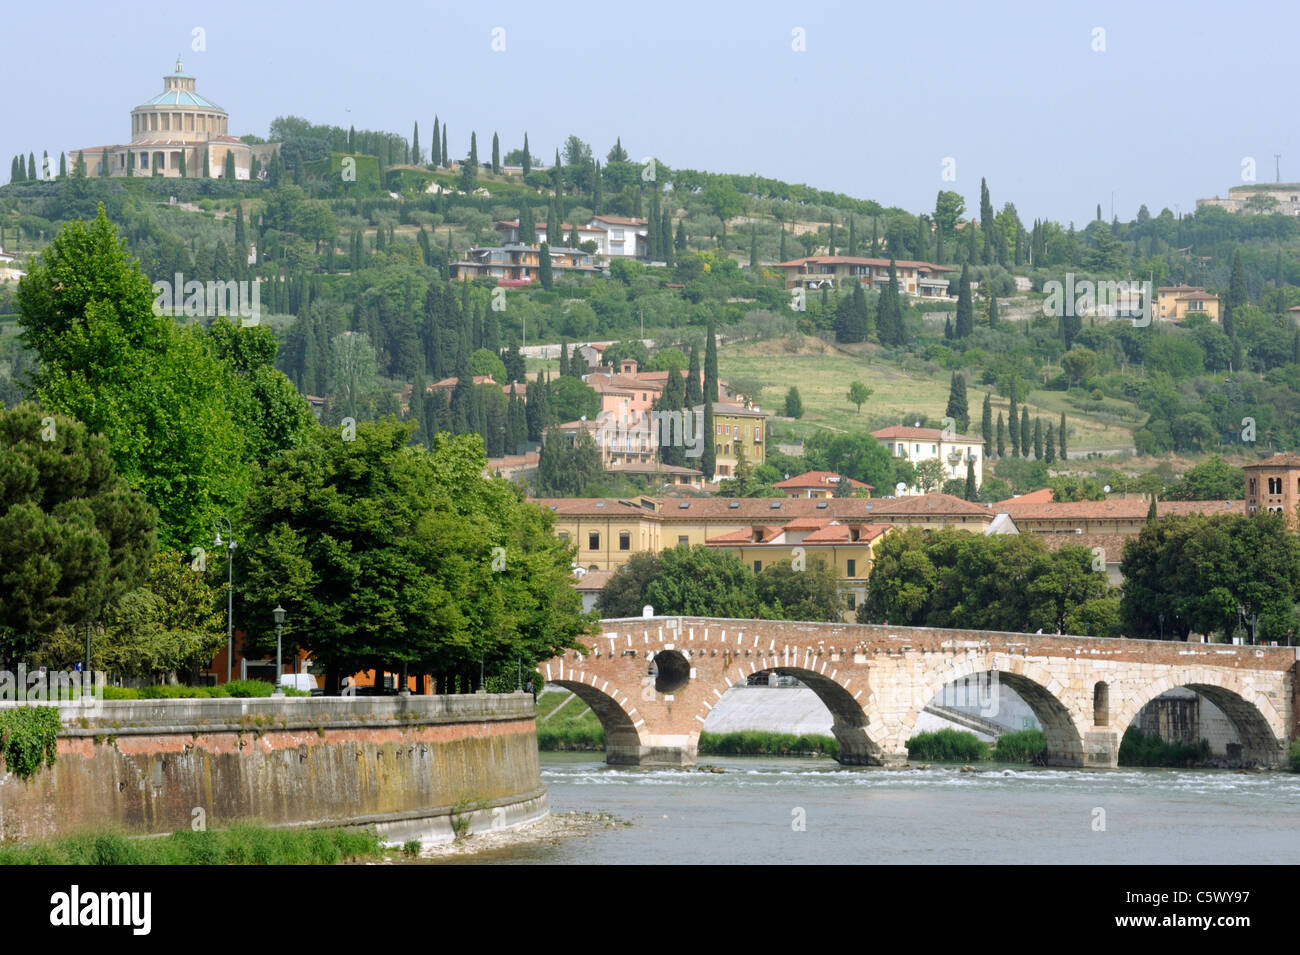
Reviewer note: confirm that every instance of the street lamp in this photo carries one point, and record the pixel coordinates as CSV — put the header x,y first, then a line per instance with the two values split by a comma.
x,y
230,588
278,613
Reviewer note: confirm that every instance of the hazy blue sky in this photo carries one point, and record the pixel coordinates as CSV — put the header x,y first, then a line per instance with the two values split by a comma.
x,y
880,96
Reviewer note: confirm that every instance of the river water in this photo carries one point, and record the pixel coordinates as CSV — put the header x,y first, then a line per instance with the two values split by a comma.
x,y
751,813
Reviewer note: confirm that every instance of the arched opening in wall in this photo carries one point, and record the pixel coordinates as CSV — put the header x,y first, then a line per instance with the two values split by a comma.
x,y
1235,732
1101,704
622,743
671,671
992,703
796,702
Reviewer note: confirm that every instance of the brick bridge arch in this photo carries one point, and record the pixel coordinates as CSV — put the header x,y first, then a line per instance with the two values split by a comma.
x,y
1263,731
876,679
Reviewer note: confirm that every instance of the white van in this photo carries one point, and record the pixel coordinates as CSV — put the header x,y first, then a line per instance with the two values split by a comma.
x,y
299,681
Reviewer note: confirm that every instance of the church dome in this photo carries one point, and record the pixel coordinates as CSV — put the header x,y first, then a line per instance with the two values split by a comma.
x,y
178,113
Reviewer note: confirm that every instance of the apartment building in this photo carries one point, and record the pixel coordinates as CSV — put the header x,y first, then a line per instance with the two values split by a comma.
x,y
916,444
920,279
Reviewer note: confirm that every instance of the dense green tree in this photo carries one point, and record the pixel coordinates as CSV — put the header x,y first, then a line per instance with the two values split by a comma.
x,y
972,489
986,221
564,469
1049,444
1002,436
694,385
73,535
1038,439
1211,480
229,172
1060,435
793,403
1026,435
1013,422
156,391
783,593
544,266
858,395
496,154
958,409
435,147
889,311
986,425
965,323
385,556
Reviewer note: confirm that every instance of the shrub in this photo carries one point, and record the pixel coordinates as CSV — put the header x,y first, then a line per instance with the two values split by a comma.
x,y
1139,749
29,738
947,745
1294,756
1020,747
758,743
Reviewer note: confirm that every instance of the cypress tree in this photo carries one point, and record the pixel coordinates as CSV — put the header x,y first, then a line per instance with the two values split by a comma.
x,y
782,255
1049,444
711,365
680,239
938,241
853,237
1026,435
965,307
1060,437
528,159
184,173
1014,417
986,425
694,388
564,359
598,191
709,460
830,238
415,143
63,164
31,167
947,329
241,240
496,154
1038,439
673,399
666,231
552,222
1002,436
889,311
544,267
103,163
958,409
993,309
875,236
970,240
1236,296
446,156
229,172
1153,514
435,147
972,492
986,222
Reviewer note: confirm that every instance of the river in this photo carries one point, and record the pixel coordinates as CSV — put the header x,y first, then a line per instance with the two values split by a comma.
x,y
751,813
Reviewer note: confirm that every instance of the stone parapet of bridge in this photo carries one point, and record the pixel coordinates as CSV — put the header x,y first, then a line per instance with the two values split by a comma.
x,y
653,680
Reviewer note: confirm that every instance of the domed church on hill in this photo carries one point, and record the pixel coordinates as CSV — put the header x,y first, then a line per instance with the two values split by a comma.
x,y
174,134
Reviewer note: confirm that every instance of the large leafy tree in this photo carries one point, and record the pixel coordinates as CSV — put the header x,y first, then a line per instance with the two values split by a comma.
x,y
784,593
388,556
158,392
73,535
701,580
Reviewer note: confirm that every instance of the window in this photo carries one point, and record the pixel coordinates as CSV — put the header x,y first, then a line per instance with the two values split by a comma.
x,y
624,541
563,535
758,565
593,540
851,601
758,435
683,541
1101,704
852,569
1253,487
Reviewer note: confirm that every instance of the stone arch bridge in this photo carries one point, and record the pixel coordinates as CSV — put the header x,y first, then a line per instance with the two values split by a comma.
x,y
653,680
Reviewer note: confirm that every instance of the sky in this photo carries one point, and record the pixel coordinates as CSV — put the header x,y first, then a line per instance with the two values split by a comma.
x,y
1060,106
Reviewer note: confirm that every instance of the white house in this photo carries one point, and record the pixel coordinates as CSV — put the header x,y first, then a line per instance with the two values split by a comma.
x,y
925,444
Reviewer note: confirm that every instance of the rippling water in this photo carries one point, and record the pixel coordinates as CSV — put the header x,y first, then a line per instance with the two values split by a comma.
x,y
997,814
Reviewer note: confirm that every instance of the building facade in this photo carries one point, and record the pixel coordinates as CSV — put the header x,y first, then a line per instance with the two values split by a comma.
x,y
916,444
920,279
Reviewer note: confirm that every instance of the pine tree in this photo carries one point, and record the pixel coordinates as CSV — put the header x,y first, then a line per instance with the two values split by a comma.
x,y
1002,436
1026,434
415,143
496,154
1049,444
544,267
986,425
1038,439
965,307
1013,419
972,492
1060,437
435,147
958,409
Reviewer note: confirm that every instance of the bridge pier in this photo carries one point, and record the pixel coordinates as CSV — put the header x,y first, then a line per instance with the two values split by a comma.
x,y
1100,749
653,750
857,748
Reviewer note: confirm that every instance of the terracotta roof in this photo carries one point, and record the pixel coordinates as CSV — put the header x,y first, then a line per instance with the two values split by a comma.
x,y
923,434
653,467
589,506
593,580
1119,510
618,220
1180,288
1168,508
1044,495
819,479
843,533
925,504
1198,297
453,381
1286,459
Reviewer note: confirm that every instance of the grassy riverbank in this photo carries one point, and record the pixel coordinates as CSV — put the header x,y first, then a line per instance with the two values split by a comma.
x,y
239,845
961,746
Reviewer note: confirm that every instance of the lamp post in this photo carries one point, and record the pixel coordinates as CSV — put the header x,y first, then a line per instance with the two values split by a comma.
x,y
230,588
278,613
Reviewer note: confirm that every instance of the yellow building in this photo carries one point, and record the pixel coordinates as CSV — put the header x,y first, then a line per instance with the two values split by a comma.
x,y
735,427
1175,302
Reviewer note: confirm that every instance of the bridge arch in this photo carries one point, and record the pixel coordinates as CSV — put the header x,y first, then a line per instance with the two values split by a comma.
x,y
817,670
613,707
1259,726
1035,684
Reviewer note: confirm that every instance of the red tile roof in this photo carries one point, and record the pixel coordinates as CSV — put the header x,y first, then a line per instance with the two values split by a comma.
x,y
1284,460
818,479
1044,495
923,434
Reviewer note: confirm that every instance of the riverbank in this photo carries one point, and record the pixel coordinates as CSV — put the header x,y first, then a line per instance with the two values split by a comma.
x,y
551,831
